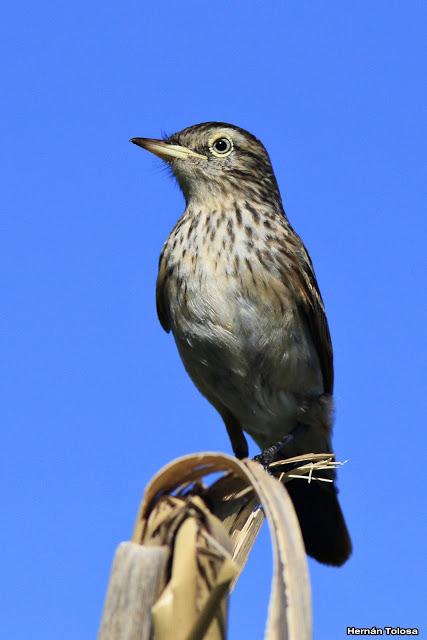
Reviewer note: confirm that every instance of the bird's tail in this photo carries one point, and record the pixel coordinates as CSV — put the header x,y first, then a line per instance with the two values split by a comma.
x,y
322,523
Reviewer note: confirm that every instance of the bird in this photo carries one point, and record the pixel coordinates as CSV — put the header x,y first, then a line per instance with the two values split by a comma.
x,y
237,289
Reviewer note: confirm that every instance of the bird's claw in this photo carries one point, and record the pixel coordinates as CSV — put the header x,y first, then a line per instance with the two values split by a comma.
x,y
266,457
269,454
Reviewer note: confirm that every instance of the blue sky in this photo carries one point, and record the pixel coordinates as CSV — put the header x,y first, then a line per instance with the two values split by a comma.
x,y
94,397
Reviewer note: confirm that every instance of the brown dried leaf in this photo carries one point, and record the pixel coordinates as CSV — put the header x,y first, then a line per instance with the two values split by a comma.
x,y
206,560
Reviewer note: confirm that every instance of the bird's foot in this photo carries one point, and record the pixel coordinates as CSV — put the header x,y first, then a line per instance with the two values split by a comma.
x,y
269,454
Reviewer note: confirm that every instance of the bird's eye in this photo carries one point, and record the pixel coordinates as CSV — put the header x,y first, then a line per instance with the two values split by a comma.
x,y
221,146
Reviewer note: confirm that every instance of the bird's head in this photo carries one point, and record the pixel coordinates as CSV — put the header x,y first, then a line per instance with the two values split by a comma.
x,y
216,160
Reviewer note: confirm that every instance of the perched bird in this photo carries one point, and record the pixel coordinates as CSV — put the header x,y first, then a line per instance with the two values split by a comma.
x,y
237,289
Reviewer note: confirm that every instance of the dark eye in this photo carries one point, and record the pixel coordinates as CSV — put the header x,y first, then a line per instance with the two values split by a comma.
x,y
221,146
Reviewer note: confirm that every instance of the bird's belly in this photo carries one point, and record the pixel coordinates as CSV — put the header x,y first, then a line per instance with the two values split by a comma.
x,y
246,354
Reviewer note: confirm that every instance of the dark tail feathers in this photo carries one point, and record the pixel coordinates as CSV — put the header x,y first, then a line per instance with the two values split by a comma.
x,y
322,523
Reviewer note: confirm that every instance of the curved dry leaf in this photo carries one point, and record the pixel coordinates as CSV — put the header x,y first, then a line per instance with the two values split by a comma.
x,y
235,500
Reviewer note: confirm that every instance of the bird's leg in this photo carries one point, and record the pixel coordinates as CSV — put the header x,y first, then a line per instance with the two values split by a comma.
x,y
235,433
269,454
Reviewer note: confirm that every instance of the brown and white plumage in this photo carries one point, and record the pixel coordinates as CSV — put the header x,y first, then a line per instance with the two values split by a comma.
x,y
237,289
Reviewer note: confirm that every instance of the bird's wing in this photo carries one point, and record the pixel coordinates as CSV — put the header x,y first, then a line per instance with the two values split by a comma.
x,y
162,312
300,276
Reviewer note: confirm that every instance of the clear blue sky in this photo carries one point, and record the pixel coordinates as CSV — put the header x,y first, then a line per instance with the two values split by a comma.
x,y
94,398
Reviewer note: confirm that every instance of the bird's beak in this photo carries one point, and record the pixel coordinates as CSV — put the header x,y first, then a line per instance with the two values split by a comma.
x,y
165,150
